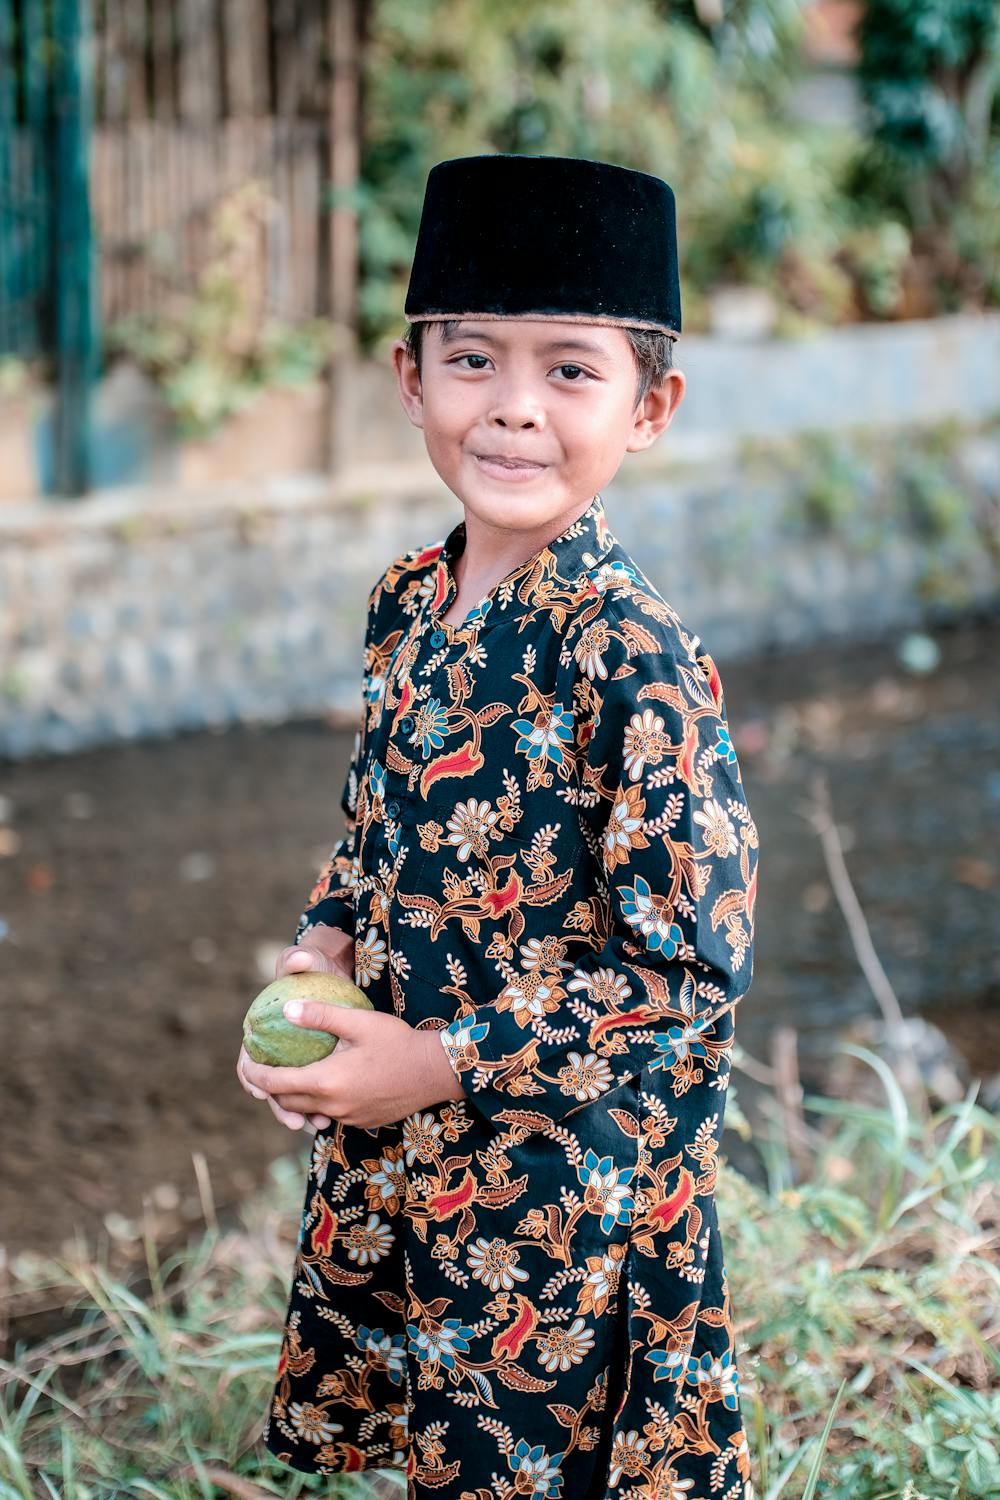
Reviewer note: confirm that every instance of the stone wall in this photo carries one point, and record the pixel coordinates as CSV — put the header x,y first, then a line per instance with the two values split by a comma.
x,y
143,611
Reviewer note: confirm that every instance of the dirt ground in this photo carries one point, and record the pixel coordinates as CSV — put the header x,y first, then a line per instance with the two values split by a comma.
x,y
145,889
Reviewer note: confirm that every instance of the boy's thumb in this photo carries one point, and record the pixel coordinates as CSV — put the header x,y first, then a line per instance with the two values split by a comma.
x,y
301,961
341,1020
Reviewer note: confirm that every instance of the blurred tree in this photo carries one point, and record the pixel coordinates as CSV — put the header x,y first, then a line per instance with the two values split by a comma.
x,y
930,74
692,90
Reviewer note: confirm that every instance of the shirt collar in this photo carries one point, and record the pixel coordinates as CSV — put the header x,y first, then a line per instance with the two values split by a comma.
x,y
566,558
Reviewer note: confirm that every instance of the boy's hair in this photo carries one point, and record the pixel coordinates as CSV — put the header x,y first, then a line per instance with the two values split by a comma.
x,y
653,352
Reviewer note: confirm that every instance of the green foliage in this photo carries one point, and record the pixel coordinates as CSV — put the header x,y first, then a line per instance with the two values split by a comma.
x,y
866,1367
930,71
897,218
961,1430
868,489
650,85
930,76
214,348
699,93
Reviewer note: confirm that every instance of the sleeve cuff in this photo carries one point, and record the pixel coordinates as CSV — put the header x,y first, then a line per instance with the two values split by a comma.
x,y
334,911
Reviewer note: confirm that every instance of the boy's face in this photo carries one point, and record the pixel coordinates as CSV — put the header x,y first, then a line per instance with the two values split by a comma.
x,y
525,419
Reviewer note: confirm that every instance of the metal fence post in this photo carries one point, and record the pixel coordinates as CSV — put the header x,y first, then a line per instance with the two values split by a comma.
x,y
76,311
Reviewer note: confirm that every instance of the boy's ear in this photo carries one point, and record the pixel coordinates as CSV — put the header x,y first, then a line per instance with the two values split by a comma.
x,y
408,381
655,412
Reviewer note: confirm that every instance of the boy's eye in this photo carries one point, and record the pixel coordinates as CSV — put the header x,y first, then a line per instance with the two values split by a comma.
x,y
574,368
471,356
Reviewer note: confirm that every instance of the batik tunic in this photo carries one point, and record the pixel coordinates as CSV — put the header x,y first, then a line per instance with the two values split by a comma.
x,y
551,862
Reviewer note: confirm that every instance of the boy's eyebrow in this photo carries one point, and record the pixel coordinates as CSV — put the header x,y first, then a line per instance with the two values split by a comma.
x,y
579,346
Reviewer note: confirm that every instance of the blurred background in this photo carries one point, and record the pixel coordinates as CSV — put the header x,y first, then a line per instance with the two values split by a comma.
x,y
207,213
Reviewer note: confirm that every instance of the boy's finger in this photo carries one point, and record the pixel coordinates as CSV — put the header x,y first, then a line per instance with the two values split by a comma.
x,y
299,961
250,1087
339,1020
304,1079
291,1118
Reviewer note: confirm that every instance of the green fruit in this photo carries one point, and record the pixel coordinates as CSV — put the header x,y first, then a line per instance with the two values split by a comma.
x,y
269,1038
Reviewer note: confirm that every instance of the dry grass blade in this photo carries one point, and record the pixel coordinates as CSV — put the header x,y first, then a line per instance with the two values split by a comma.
x,y
820,815
225,1479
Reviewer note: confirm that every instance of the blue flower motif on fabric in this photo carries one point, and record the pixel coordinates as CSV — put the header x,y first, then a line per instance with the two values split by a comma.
x,y
477,614
723,746
716,1377
538,1468
462,1031
605,1189
387,1347
376,780
649,915
544,739
611,575
432,726
677,1045
438,1345
668,1364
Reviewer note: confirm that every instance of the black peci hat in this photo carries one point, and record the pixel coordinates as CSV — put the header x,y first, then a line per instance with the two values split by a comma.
x,y
508,236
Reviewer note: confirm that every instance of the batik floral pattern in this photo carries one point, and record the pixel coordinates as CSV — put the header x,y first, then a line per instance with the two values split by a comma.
x,y
549,860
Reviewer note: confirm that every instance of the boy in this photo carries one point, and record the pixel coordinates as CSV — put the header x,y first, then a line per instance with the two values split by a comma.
x,y
509,1276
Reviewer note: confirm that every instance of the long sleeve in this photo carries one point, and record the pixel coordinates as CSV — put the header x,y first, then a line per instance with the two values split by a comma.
x,y
663,812
331,899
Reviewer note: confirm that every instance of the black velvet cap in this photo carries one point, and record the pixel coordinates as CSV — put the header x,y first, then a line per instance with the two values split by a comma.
x,y
508,236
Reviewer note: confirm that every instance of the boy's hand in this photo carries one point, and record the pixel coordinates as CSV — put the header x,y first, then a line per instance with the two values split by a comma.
x,y
382,1070
325,950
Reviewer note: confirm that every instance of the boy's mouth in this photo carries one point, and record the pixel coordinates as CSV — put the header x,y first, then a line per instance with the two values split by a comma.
x,y
508,468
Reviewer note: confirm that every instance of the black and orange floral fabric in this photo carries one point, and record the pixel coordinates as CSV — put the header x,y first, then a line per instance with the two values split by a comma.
x,y
549,861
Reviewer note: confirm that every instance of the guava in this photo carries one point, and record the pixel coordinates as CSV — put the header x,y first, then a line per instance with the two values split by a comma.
x,y
279,1043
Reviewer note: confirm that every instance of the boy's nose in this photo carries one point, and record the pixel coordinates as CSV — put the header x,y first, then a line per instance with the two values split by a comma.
x,y
517,414
516,407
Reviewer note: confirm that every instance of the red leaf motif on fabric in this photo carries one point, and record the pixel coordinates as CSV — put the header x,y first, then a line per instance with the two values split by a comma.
x,y
322,1235
443,1205
354,1459
670,1209
637,1017
462,762
509,1343
440,585
505,896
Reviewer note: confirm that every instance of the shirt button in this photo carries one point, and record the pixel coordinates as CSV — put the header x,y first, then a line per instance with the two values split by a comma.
x,y
438,638
406,723
392,808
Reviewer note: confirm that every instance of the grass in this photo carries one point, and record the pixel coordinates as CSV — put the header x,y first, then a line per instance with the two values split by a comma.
x,y
160,1392
867,1353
